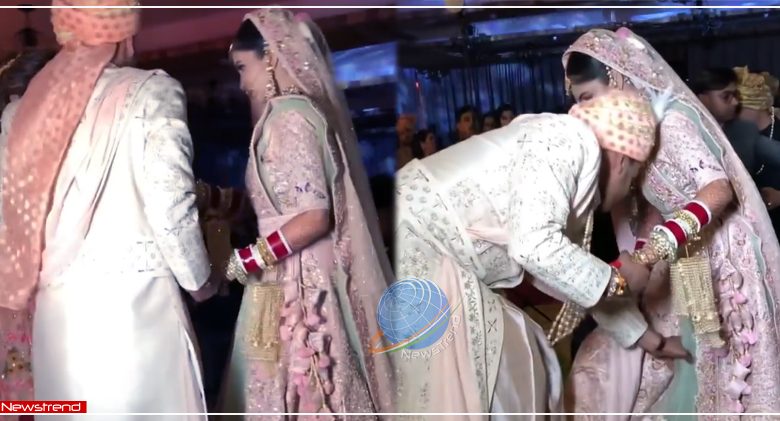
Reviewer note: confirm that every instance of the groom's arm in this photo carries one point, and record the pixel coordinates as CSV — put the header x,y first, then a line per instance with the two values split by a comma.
x,y
543,185
168,186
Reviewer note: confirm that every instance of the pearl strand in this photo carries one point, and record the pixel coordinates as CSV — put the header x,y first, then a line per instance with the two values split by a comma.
x,y
571,314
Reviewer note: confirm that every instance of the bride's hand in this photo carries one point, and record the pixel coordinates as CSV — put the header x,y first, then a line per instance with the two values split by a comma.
x,y
664,347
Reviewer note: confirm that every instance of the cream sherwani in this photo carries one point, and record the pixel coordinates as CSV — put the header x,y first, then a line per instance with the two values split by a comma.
x,y
110,326
476,217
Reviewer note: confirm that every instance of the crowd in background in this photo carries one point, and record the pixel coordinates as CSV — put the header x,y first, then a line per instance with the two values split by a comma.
x,y
469,122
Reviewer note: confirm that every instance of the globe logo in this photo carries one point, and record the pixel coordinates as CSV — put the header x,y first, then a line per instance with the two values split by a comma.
x,y
412,313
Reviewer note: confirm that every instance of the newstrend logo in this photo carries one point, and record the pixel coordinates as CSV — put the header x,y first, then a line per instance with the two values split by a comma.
x,y
43,407
412,314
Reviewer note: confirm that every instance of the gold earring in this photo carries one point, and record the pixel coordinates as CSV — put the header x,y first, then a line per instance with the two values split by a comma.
x,y
612,81
270,87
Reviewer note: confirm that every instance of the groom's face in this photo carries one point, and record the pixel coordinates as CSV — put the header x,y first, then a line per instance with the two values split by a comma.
x,y
618,173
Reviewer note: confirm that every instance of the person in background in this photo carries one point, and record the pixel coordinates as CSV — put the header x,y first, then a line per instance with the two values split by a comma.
x,y
404,128
757,98
466,118
717,90
424,144
506,113
16,73
489,122
16,382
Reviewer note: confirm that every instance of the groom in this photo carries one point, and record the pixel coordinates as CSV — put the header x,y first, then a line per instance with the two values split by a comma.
x,y
509,205
101,225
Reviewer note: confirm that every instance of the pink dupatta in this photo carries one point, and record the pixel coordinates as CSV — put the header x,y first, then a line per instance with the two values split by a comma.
x,y
41,132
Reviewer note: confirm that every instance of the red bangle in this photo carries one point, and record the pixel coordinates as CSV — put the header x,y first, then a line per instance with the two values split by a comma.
x,y
617,264
248,260
677,231
699,212
278,246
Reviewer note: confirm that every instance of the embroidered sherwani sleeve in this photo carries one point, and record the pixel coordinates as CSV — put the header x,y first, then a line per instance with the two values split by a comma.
x,y
168,185
544,183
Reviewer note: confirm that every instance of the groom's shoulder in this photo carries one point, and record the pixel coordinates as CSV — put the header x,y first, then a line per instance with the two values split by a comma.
x,y
155,79
554,126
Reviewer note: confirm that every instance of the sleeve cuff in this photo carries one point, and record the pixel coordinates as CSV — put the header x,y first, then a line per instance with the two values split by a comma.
x,y
200,275
604,274
621,319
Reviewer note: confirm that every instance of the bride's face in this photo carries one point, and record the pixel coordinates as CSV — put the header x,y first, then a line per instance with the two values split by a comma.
x,y
252,71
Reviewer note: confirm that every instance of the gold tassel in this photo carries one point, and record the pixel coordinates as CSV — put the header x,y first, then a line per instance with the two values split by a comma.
x,y
261,339
693,296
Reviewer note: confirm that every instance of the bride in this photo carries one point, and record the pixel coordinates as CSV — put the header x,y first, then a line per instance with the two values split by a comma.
x,y
315,276
699,197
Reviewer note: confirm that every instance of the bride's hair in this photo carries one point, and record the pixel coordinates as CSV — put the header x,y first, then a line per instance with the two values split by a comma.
x,y
582,68
248,38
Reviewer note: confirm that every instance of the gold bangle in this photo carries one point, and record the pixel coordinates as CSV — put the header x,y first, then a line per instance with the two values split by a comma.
x,y
646,256
617,284
268,257
233,270
689,220
662,245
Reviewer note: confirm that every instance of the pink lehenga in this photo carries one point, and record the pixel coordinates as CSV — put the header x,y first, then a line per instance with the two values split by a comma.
x,y
744,258
303,156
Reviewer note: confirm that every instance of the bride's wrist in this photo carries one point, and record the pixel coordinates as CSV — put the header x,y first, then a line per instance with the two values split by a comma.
x,y
262,255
